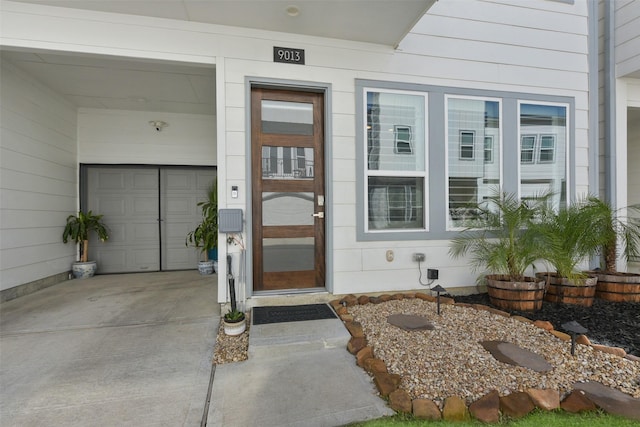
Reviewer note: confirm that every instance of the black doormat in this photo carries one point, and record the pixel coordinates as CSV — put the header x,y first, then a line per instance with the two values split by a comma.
x,y
291,313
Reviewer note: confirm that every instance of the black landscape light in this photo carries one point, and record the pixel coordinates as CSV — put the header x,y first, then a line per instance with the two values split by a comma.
x,y
574,328
438,289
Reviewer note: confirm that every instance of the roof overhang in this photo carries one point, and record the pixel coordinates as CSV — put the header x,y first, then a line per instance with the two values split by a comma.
x,y
384,22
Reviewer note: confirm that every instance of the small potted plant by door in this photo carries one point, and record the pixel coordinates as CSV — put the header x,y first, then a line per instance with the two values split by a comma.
x,y
501,241
205,235
568,240
616,229
78,228
234,322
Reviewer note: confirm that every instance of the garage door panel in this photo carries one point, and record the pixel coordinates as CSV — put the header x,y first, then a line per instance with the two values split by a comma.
x,y
132,200
107,180
203,181
144,233
182,206
111,206
144,257
111,261
181,213
142,180
117,233
128,199
178,181
145,206
180,230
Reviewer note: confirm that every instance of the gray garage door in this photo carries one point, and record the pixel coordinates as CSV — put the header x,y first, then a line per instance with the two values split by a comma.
x,y
149,211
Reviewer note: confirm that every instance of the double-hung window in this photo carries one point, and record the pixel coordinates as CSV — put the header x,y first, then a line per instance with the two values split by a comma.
x,y
467,138
427,155
545,170
527,148
471,178
547,148
395,160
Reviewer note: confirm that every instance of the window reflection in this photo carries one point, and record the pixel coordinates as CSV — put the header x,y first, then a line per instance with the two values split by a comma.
x,y
287,163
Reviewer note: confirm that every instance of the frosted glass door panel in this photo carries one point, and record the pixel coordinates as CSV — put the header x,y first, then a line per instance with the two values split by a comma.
x,y
288,254
287,209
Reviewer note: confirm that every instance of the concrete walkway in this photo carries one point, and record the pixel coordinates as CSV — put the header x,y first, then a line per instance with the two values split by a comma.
x,y
137,349
298,374
115,350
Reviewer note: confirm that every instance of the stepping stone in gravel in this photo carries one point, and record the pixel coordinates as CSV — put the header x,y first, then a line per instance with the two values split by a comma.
x,y
410,322
610,399
507,352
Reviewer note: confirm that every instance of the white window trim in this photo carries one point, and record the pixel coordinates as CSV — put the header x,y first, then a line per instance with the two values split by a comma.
x,y
533,148
396,128
484,149
473,145
420,174
553,148
447,97
567,129
507,154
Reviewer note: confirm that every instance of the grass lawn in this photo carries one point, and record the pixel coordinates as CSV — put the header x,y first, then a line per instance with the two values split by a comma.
x,y
535,419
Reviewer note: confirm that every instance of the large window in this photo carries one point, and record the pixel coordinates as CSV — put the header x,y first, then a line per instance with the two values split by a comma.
x,y
543,138
427,155
471,177
395,160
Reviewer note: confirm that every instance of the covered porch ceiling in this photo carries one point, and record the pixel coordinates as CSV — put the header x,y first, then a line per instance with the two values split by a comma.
x,y
92,81
383,22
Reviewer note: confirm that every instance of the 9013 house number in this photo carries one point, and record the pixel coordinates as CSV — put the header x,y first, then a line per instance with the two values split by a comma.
x,y
288,55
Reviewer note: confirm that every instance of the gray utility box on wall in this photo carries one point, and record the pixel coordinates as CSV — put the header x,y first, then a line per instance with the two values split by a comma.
x,y
230,220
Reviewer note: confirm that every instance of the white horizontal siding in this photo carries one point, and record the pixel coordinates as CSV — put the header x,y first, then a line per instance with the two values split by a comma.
x,y
529,56
38,179
627,37
117,136
532,46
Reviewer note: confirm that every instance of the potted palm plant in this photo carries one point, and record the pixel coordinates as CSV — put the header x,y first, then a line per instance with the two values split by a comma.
x,y
568,239
617,231
205,235
78,228
501,241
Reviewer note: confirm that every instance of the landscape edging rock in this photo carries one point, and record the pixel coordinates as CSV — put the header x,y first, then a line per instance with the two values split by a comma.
x,y
386,387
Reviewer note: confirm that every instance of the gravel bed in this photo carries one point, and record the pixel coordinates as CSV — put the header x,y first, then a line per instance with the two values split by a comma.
x,y
616,324
230,349
449,361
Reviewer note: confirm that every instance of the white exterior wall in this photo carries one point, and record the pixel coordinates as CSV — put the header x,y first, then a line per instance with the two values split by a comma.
x,y
441,50
537,47
627,94
627,36
38,179
633,142
119,136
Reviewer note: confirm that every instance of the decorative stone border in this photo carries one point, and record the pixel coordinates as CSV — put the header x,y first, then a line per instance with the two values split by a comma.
x,y
489,407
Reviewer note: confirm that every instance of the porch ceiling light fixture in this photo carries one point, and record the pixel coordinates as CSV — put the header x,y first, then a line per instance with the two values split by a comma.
x,y
158,125
293,10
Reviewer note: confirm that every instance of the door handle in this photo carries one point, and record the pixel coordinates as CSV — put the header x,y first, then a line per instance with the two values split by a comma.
x,y
318,215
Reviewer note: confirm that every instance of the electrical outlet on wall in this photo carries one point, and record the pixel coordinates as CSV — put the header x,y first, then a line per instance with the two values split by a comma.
x,y
418,257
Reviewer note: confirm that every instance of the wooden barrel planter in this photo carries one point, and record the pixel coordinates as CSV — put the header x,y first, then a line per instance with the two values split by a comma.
x,y
562,290
618,287
509,295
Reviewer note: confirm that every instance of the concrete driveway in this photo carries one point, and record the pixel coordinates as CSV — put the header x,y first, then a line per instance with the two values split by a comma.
x,y
114,350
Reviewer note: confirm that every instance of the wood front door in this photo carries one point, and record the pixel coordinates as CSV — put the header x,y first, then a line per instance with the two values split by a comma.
x,y
287,134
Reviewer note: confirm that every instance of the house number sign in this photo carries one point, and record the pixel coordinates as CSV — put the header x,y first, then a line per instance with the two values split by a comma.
x,y
288,55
